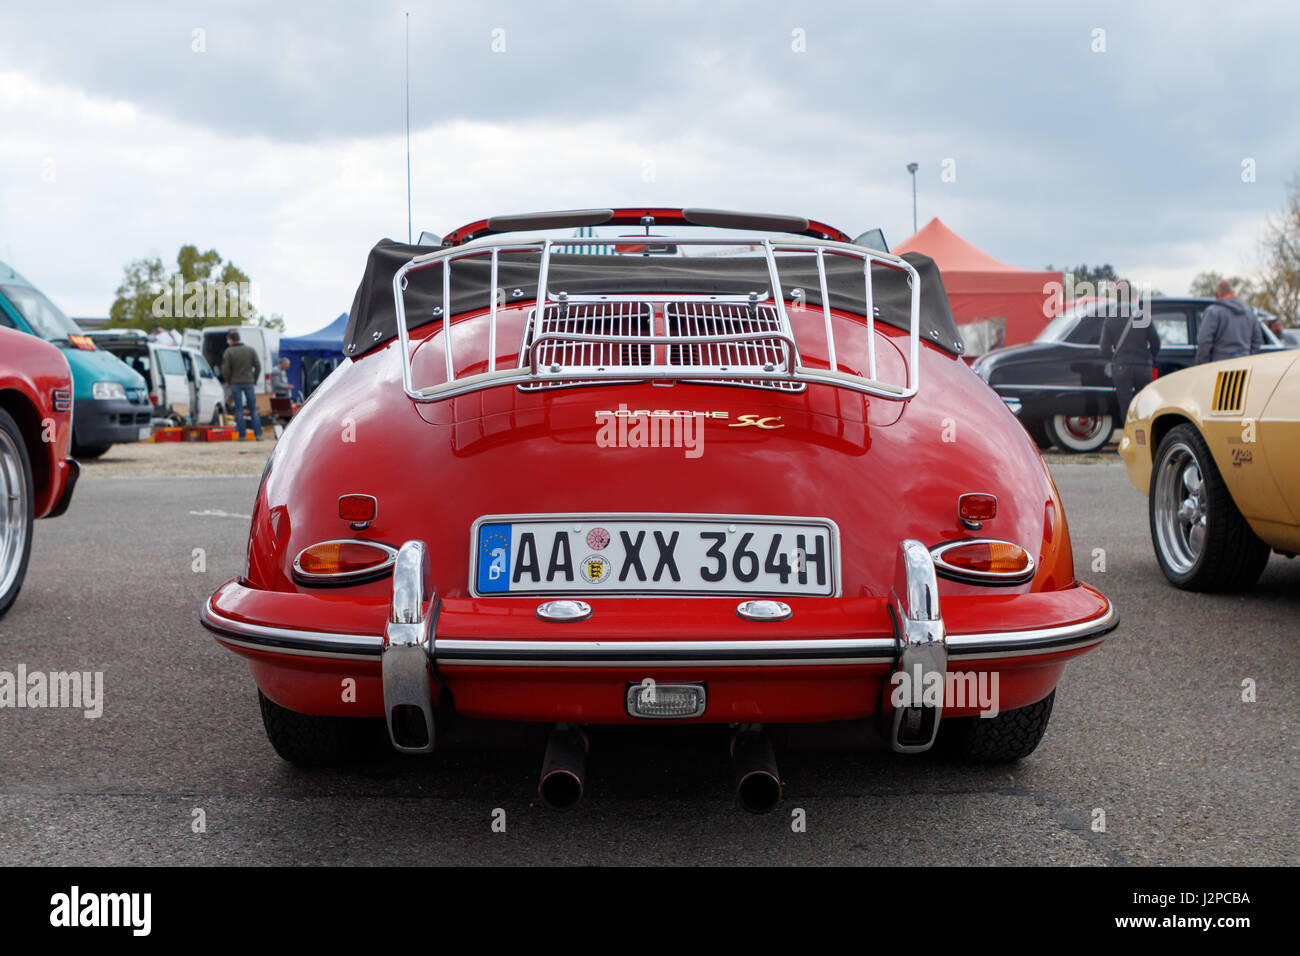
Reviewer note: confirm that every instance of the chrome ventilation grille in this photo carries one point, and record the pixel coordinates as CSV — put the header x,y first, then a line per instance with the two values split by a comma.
x,y
613,335
609,337
727,321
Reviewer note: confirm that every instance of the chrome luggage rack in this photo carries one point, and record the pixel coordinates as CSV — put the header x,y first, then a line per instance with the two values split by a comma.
x,y
737,339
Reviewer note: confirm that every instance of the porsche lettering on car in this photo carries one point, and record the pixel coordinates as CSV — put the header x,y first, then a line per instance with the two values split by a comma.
x,y
444,525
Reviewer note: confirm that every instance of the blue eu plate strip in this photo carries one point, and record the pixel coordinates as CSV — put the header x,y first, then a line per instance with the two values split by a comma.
x,y
493,558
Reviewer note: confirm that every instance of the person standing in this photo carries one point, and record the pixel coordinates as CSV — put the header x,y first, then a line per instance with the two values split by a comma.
x,y
280,386
240,369
1229,328
1130,344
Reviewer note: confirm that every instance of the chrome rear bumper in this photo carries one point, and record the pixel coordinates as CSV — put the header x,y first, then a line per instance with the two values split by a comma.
x,y
410,652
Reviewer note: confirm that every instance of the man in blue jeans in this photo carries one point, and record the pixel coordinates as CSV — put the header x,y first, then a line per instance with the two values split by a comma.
x,y
240,368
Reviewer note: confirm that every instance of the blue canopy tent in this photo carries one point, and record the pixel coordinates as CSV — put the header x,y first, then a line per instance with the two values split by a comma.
x,y
313,356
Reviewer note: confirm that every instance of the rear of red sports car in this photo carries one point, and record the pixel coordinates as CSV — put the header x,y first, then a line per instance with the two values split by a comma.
x,y
749,489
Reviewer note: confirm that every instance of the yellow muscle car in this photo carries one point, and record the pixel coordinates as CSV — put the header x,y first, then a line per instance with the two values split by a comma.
x,y
1216,447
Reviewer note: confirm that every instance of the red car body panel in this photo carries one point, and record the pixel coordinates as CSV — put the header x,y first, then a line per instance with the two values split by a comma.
x,y
882,470
512,452
31,371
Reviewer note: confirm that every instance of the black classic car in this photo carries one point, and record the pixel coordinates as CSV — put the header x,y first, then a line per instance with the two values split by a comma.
x,y
1057,385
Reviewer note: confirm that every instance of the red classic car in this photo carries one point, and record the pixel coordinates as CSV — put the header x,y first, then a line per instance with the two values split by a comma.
x,y
739,477
36,474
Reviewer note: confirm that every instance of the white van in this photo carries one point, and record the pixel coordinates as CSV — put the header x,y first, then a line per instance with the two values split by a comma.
x,y
211,341
181,383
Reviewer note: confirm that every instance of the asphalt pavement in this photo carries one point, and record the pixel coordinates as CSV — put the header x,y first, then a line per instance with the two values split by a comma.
x,y
1152,756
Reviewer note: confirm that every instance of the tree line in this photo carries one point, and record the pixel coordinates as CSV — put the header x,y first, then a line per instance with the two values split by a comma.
x,y
203,289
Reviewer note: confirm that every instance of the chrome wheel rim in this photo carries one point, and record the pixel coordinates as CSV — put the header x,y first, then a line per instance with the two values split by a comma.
x,y
13,511
1180,509
1080,432
1083,427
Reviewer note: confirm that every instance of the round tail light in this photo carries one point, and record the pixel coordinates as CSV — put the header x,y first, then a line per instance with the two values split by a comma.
x,y
345,561
983,561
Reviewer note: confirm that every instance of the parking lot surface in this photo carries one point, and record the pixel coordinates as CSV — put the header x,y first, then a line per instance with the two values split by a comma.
x,y
1152,756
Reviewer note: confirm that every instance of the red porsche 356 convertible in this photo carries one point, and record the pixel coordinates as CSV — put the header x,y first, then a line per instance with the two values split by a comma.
x,y
739,475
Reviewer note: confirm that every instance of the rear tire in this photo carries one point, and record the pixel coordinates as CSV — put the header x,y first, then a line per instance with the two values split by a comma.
x,y
86,452
1038,432
1009,736
312,741
1080,434
17,501
1201,540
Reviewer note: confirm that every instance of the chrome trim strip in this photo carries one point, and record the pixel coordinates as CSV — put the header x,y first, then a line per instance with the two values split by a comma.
x,y
260,645
668,663
292,640
879,650
617,653
1051,388
1045,640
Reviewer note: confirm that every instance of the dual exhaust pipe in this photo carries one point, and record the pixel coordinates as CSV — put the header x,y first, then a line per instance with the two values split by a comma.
x,y
755,778
564,768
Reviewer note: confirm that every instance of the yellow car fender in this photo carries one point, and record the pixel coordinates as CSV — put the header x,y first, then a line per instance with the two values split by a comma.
x,y
1248,412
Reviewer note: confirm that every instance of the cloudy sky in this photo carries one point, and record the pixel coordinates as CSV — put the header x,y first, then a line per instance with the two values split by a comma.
x,y
274,132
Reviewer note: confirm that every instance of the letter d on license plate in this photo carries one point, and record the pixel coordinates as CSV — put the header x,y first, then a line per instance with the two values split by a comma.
x,y
654,554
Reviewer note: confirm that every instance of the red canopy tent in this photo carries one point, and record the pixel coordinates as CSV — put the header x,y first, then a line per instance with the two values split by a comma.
x,y
1000,304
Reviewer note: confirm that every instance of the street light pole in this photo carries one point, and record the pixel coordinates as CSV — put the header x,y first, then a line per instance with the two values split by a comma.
x,y
911,168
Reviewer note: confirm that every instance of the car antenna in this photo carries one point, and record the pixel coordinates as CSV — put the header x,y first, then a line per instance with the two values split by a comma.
x,y
408,127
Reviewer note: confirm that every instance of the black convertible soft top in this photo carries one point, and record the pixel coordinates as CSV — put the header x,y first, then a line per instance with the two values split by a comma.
x,y
373,319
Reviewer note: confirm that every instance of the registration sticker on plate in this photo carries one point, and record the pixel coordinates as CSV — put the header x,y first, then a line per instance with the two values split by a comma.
x,y
643,554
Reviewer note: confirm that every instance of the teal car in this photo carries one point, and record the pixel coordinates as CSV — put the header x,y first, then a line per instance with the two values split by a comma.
x,y
110,399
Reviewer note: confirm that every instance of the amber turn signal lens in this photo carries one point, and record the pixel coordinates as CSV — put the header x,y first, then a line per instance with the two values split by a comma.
x,y
336,561
983,561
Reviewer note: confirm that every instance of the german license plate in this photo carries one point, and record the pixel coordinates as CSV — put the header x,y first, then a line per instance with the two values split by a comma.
x,y
635,554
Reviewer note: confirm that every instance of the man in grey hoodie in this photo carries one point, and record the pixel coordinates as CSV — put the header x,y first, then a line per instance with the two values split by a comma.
x,y
1229,328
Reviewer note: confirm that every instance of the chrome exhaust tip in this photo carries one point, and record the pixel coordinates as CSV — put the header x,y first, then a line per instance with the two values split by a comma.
x,y
564,768
757,781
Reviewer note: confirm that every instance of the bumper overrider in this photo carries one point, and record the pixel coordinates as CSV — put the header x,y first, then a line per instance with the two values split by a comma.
x,y
496,658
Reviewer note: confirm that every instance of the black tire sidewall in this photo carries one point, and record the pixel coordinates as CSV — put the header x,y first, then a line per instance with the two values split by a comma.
x,y
1038,432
